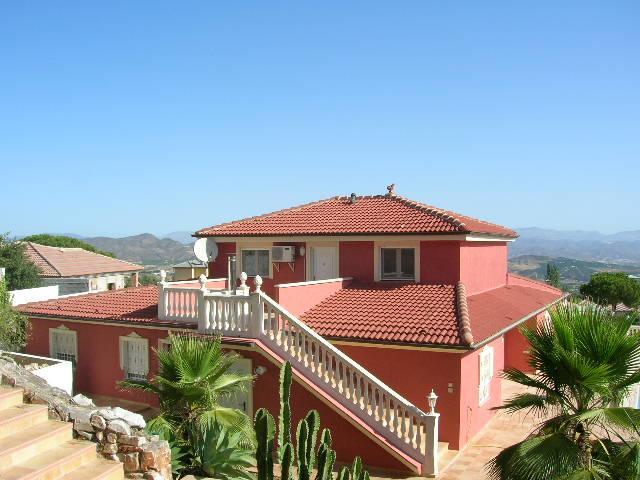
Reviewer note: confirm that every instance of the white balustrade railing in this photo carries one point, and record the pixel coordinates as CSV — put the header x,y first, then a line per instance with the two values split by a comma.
x,y
256,315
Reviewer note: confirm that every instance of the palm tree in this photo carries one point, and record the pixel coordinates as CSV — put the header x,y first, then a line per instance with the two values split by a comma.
x,y
192,382
585,362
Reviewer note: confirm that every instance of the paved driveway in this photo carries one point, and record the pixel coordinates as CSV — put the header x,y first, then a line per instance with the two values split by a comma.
x,y
502,431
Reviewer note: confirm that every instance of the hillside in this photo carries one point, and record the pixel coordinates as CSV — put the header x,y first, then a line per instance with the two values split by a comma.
x,y
146,249
572,272
617,248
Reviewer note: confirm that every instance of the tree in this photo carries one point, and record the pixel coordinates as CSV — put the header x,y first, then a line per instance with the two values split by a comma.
x,y
192,381
65,242
612,288
553,275
20,271
14,327
585,362
143,279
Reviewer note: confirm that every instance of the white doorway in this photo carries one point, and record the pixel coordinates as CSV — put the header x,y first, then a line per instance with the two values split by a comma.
x,y
324,263
241,400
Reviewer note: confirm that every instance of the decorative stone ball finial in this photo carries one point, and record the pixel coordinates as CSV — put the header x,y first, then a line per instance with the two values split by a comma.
x,y
391,189
203,280
243,279
163,276
258,281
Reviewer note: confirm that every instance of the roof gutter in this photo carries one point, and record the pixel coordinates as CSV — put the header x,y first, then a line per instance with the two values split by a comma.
x,y
475,346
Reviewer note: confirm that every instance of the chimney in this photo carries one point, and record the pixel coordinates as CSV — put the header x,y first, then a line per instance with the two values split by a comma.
x,y
353,198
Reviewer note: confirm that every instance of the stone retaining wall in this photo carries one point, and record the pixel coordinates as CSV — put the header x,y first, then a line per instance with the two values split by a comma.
x,y
118,433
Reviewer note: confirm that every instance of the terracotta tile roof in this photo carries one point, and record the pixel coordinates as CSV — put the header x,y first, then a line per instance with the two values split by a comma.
x,y
128,304
398,313
73,262
376,214
492,311
423,314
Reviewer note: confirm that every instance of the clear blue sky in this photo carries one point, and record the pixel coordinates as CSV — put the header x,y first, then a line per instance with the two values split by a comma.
x,y
123,117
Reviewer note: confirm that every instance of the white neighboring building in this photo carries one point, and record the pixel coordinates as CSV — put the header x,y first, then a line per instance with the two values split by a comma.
x,y
75,270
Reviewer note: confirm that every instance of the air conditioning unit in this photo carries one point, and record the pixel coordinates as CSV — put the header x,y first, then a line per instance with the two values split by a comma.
x,y
283,254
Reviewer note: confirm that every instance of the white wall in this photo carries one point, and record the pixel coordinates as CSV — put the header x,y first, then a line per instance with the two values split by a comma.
x,y
57,373
18,297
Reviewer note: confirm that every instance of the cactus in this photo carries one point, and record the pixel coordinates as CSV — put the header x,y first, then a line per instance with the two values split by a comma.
x,y
284,421
305,446
265,431
313,426
344,474
286,462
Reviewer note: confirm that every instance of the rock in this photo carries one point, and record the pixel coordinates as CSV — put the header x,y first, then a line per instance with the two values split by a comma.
x,y
133,419
156,456
98,422
81,414
110,448
113,457
83,401
119,426
99,436
110,437
133,440
130,461
107,413
82,427
153,475
128,448
84,435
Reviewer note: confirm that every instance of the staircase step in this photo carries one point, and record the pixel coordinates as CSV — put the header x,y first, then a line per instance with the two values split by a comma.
x,y
53,463
33,441
10,397
99,469
19,417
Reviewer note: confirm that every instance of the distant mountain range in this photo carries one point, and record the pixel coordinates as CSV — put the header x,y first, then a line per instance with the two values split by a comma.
x,y
183,237
146,249
621,248
573,272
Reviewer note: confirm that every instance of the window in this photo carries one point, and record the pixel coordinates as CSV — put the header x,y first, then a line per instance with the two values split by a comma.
x,y
256,262
134,357
164,344
63,344
486,374
397,263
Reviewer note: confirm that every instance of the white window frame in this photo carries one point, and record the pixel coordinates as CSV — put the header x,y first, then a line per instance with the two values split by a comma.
x,y
164,344
398,252
241,262
377,259
485,373
62,330
144,343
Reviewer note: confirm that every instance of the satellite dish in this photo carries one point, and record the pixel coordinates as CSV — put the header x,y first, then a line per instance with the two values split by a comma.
x,y
205,249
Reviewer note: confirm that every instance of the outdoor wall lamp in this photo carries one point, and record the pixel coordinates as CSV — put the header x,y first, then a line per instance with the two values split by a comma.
x,y
432,398
302,251
260,370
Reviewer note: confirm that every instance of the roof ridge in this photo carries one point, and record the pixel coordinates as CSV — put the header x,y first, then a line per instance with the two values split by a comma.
x,y
464,322
33,245
430,209
269,214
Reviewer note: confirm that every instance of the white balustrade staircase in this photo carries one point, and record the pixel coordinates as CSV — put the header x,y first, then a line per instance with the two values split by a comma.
x,y
409,433
32,447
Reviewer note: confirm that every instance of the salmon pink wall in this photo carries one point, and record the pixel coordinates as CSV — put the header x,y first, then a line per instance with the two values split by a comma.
x,y
516,346
413,373
440,262
483,265
356,260
297,299
282,272
98,367
473,416
348,441
218,268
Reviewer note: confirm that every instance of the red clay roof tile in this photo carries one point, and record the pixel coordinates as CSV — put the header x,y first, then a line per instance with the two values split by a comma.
x,y
138,305
423,314
73,262
376,214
